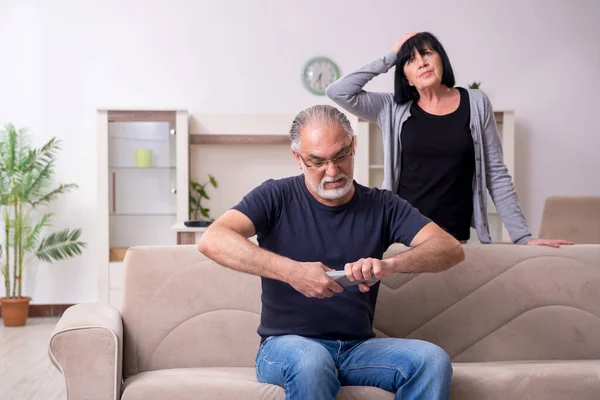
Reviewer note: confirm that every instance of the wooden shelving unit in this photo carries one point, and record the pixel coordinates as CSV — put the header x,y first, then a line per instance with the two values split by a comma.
x,y
229,139
138,204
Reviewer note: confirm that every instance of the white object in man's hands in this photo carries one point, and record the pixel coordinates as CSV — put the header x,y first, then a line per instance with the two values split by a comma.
x,y
341,278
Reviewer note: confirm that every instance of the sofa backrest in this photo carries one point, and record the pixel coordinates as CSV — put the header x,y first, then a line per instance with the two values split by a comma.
x,y
575,218
504,302
181,309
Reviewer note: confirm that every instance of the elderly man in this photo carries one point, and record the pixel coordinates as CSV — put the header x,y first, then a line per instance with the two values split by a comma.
x,y
316,335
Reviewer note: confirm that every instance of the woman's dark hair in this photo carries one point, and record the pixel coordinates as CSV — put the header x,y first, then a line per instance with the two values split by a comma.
x,y
403,92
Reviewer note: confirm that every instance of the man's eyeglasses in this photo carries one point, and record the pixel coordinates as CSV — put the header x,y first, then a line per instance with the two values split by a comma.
x,y
335,160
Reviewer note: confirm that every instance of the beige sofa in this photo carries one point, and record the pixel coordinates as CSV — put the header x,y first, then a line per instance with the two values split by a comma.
x,y
519,322
574,218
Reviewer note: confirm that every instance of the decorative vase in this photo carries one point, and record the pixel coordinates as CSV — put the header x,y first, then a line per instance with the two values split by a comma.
x,y
15,310
143,158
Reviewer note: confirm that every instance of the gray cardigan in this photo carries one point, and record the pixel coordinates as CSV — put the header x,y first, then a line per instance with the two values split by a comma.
x,y
490,170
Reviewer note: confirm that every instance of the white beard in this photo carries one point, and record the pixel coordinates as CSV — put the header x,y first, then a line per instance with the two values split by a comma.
x,y
330,194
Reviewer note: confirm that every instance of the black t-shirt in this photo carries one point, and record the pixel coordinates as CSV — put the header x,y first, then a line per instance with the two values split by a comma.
x,y
290,222
438,163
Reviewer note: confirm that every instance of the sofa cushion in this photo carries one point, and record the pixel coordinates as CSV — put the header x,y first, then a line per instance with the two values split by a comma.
x,y
471,381
556,380
221,384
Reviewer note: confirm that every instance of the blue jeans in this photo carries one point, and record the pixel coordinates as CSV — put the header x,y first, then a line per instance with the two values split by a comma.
x,y
314,369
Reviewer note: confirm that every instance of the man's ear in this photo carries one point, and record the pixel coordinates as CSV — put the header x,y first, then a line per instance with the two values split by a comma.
x,y
298,160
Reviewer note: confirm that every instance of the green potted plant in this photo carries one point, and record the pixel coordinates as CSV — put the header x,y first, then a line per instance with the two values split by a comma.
x,y
26,177
200,215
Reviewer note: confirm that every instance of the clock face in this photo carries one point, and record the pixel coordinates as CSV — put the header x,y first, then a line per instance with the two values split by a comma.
x,y
318,73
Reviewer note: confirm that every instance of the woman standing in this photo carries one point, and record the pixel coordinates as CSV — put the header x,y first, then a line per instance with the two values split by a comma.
x,y
441,144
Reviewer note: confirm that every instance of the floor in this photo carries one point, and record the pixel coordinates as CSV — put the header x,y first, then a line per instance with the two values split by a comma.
x,y
26,372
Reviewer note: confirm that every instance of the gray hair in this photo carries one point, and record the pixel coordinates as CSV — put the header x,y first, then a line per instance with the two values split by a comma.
x,y
321,115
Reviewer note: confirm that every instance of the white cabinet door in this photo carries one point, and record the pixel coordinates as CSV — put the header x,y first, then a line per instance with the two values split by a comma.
x,y
143,178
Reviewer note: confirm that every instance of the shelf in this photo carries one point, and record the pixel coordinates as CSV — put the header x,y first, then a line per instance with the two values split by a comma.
x,y
142,139
180,227
141,116
240,139
142,215
140,168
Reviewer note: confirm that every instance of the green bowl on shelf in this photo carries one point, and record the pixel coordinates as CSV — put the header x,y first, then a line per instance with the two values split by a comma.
x,y
143,158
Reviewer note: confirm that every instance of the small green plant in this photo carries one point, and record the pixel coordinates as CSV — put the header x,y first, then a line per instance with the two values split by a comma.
x,y
474,85
26,174
197,194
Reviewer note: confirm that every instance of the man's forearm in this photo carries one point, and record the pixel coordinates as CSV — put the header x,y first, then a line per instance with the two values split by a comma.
x,y
433,255
232,250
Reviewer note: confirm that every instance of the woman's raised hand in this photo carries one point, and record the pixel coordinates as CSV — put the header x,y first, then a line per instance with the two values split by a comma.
x,y
400,42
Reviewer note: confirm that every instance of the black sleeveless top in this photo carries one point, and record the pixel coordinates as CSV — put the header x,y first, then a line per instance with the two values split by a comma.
x,y
438,164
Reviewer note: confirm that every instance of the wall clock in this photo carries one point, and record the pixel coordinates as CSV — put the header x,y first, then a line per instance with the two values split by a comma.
x,y
318,73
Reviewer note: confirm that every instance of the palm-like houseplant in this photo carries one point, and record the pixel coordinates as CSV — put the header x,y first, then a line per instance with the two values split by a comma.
x,y
26,179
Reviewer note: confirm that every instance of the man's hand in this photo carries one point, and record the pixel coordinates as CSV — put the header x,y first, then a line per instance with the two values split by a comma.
x,y
364,270
398,44
548,242
311,280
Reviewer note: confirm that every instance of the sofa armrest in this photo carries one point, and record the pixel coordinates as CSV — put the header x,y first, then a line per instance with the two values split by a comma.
x,y
87,347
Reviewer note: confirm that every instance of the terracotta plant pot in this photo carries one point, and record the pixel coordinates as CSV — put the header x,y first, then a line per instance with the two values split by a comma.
x,y
15,311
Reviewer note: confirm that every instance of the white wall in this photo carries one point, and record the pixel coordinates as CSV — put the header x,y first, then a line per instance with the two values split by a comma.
x,y
62,60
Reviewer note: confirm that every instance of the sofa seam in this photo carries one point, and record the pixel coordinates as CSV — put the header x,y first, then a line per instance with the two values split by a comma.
x,y
172,329
519,315
482,285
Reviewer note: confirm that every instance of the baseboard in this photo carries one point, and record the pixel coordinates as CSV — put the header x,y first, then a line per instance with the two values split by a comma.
x,y
45,310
